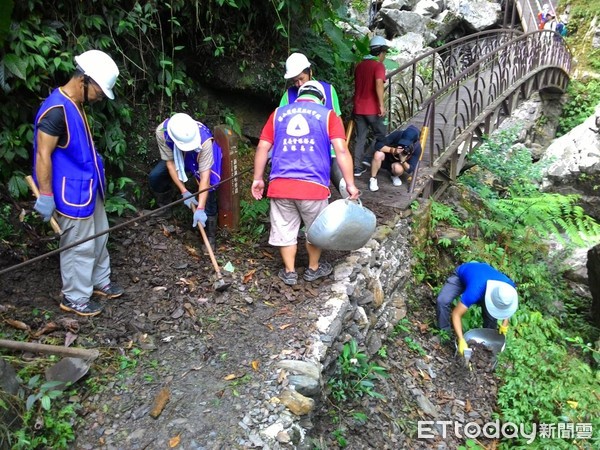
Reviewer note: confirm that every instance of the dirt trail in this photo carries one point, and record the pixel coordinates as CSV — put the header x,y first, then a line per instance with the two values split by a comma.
x,y
215,352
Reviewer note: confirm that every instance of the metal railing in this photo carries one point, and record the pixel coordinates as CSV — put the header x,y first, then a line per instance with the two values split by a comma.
x,y
458,92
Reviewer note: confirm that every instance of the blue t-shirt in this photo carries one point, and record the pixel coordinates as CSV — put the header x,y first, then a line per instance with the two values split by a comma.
x,y
474,276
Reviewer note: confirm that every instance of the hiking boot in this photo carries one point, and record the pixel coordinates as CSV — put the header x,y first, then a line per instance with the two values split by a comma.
x,y
323,270
373,186
289,278
89,308
396,181
111,290
359,171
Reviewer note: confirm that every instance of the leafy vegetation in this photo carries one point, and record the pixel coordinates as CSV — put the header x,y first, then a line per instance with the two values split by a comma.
x,y
583,97
355,376
502,218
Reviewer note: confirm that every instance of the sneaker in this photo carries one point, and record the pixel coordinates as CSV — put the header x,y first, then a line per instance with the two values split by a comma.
x,y
373,186
323,270
111,290
396,181
289,278
366,163
90,308
358,172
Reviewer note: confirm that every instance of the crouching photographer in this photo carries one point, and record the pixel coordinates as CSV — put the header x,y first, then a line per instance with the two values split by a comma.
x,y
398,154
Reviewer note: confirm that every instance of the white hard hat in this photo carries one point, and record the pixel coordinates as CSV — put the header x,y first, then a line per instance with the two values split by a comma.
x,y
379,41
314,88
501,299
295,64
184,132
101,68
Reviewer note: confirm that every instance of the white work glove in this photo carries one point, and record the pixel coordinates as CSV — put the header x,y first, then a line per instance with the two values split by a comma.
x,y
189,199
45,206
199,217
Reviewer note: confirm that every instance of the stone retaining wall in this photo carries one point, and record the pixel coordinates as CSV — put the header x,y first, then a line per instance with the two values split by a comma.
x,y
365,302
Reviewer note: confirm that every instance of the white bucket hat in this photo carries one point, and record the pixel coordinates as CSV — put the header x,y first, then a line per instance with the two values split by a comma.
x,y
501,299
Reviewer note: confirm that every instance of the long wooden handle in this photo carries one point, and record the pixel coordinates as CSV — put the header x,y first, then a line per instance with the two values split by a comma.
x,y
208,247
84,353
53,223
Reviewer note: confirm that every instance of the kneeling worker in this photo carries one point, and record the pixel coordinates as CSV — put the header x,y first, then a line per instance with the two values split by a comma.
x,y
476,283
398,153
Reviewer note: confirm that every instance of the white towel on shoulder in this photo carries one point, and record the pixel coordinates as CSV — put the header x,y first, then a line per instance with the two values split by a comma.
x,y
178,159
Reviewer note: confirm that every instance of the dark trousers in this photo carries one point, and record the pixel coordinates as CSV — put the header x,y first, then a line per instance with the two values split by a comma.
x,y
160,182
363,124
452,289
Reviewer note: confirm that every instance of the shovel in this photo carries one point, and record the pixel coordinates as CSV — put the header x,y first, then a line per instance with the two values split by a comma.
x,y
220,285
467,355
67,370
53,223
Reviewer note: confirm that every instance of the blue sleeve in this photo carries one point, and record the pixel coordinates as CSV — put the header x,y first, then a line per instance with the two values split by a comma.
x,y
474,276
389,140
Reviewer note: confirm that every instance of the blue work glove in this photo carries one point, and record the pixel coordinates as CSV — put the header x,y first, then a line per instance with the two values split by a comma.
x,y
45,206
199,217
189,199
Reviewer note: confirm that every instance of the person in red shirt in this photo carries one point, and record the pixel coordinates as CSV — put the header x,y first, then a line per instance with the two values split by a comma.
x,y
301,135
369,108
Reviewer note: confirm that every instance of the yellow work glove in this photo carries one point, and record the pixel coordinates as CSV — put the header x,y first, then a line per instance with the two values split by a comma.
x,y
503,329
462,346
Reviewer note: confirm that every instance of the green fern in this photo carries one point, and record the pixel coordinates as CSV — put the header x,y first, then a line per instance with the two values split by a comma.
x,y
548,214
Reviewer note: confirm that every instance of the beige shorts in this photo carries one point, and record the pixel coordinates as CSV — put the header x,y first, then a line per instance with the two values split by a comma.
x,y
287,215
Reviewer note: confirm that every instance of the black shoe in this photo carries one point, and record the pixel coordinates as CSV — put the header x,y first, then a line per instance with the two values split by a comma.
x,y
289,278
91,308
111,290
366,163
358,172
323,270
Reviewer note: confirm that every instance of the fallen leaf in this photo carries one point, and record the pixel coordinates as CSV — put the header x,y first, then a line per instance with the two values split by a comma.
x,y
282,376
48,328
166,231
283,327
69,324
159,288
70,338
177,313
423,327
248,276
255,364
268,303
174,441
192,251
468,406
573,404
17,324
159,402
312,292
189,309
269,326
268,255
231,376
